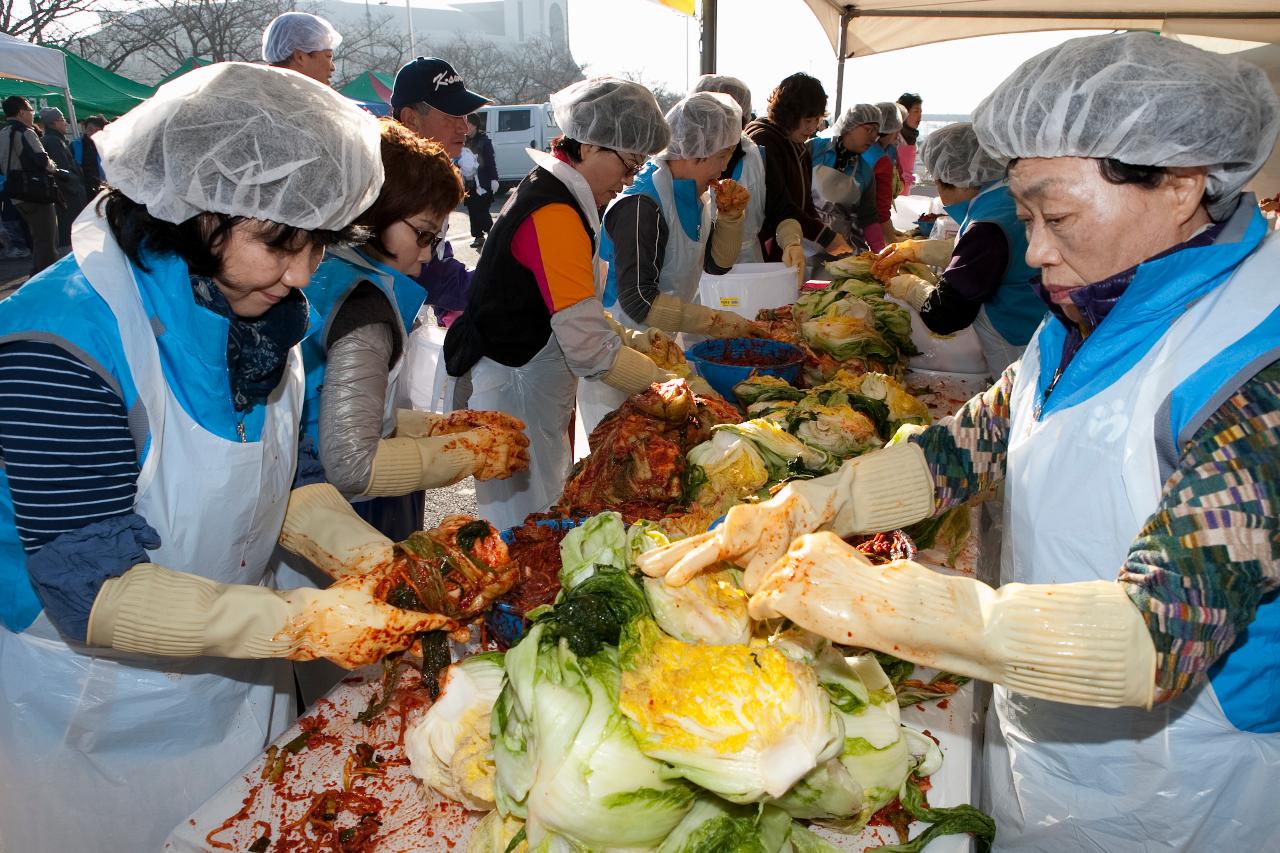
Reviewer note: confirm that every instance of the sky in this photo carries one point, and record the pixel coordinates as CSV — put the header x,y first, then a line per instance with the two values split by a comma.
x,y
763,41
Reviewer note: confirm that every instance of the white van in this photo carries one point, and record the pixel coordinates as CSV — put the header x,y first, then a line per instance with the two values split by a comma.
x,y
513,128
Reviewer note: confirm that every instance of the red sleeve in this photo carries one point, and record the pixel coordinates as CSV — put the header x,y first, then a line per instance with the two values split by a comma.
x,y
884,188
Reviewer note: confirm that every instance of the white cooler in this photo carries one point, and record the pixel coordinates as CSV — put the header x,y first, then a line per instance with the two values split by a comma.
x,y
747,288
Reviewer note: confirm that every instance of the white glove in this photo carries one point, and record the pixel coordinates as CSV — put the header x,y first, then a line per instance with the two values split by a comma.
x,y
911,289
321,526
881,490
493,186
156,610
1083,643
479,189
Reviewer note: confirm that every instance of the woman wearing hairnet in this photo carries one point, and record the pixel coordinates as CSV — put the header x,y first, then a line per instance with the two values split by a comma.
x,y
746,164
152,385
987,280
884,165
843,182
534,324
1133,645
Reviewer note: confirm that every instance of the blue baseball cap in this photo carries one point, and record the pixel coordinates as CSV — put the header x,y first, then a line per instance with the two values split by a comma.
x,y
433,81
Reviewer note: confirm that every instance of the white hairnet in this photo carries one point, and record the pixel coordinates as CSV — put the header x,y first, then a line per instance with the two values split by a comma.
x,y
854,116
1140,99
702,124
297,31
890,118
611,113
731,86
246,140
952,155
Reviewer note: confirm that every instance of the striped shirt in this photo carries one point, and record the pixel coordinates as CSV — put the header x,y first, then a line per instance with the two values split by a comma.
x,y
68,452
1208,554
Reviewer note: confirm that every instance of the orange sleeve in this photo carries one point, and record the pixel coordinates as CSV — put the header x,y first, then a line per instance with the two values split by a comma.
x,y
555,247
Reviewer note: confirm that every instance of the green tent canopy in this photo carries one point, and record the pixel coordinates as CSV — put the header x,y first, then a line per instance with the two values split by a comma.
x,y
370,87
93,89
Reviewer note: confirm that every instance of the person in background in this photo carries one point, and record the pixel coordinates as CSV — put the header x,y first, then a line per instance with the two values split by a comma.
x,y
483,184
843,182
21,151
70,178
987,282
746,164
150,392
882,233
85,153
432,100
796,106
303,43
1132,645
373,453
534,323
914,105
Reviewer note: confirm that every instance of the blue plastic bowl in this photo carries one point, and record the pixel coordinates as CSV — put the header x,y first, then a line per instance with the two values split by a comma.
x,y
775,359
925,226
503,620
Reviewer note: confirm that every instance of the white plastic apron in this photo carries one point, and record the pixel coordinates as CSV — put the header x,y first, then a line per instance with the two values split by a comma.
x,y
752,178
540,393
998,352
1080,484
106,751
682,264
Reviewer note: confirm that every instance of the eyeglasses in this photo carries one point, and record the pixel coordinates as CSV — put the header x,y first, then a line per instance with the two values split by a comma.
x,y
631,169
427,238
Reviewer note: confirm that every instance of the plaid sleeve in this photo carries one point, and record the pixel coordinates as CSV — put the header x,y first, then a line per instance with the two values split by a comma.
x,y
1212,549
967,451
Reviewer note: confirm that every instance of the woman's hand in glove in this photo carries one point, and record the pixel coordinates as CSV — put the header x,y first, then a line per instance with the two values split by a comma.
x,y
731,197
496,452
726,324
411,423
348,626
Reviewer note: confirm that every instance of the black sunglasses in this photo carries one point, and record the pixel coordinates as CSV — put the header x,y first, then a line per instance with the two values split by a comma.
x,y
426,239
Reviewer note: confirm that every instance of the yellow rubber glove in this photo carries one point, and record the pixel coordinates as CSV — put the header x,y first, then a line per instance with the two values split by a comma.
x,y
934,253
1083,643
877,491
321,526
726,238
633,372
911,289
402,465
788,236
410,423
156,610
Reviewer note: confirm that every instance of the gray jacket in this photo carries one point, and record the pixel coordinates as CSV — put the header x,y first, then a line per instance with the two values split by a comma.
x,y
34,147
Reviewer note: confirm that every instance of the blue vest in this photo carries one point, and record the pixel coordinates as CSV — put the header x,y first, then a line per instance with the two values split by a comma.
x,y
823,151
1015,310
1247,679
688,211
332,283
60,306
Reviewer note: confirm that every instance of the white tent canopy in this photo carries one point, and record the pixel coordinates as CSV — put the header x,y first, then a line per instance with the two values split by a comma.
x,y
876,26
22,60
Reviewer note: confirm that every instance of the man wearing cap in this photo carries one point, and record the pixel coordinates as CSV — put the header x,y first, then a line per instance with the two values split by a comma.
x,y
303,43
430,98
71,180
21,151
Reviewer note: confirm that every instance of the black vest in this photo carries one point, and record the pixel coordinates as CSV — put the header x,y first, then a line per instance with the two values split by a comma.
x,y
506,318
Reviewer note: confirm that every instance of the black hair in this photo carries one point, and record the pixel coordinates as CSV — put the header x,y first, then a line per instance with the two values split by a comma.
x,y
798,97
570,148
198,240
14,104
1115,172
910,99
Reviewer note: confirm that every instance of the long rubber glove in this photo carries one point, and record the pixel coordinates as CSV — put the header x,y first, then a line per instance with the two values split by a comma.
x,y
877,491
671,314
788,235
633,372
411,423
1083,643
321,526
402,465
159,611
934,253
911,289
726,238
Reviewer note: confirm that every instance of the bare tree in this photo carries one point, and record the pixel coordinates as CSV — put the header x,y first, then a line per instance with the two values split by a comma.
x,y
372,45
43,21
662,93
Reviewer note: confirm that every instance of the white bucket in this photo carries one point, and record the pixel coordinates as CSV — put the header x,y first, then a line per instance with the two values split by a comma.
x,y
747,288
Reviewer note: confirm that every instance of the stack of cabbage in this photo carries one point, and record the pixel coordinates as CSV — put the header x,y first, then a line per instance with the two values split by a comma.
x,y
792,433
634,716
